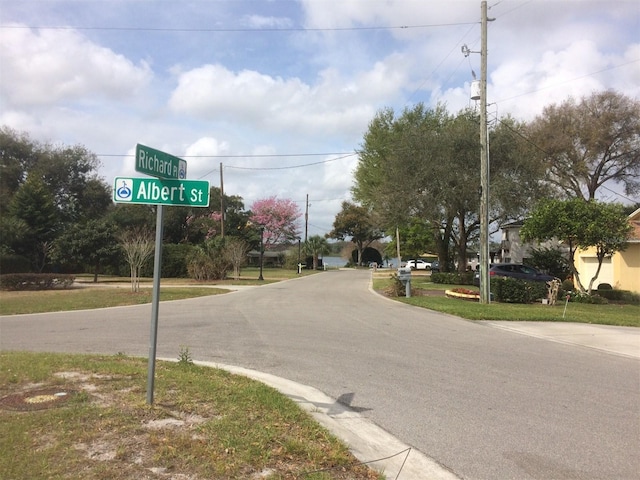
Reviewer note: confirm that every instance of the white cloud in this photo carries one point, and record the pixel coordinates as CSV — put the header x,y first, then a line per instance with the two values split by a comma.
x,y
42,68
258,21
334,104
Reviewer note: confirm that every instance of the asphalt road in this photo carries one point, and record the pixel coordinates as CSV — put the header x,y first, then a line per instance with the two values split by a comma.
x,y
484,402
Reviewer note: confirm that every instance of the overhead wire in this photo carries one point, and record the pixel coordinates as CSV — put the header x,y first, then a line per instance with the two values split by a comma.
x,y
235,30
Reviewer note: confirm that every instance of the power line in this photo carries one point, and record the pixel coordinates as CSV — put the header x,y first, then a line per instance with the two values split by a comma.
x,y
256,155
293,166
290,167
235,30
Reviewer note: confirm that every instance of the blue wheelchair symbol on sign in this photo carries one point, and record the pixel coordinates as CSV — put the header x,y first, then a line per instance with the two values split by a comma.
x,y
123,192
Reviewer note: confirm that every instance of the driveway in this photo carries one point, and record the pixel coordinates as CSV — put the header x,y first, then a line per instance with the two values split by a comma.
x,y
484,402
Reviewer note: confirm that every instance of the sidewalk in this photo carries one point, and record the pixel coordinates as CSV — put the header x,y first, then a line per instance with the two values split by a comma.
x,y
624,341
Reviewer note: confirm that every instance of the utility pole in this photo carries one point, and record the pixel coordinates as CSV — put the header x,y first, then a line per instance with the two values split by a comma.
x,y
306,220
221,202
485,296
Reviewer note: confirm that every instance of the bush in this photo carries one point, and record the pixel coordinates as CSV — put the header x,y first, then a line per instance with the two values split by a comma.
x,y
580,297
35,281
567,285
174,260
452,278
397,288
513,290
622,296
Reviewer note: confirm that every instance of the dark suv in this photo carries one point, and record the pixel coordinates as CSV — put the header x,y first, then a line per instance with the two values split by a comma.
x,y
515,270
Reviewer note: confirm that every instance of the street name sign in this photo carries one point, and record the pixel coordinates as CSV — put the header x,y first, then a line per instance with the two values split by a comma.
x,y
159,164
157,191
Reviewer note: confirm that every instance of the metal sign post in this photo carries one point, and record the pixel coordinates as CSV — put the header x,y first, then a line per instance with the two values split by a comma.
x,y
169,188
155,304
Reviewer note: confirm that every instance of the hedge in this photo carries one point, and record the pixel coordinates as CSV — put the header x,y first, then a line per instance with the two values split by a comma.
x,y
513,290
35,281
622,296
452,278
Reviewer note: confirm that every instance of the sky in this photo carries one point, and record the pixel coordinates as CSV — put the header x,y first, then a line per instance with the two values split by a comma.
x,y
279,93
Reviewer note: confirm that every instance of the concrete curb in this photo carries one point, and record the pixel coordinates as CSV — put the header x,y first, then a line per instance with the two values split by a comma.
x,y
369,443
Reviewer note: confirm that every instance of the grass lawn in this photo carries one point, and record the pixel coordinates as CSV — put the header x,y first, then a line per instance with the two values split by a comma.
x,y
12,303
611,314
116,291
86,416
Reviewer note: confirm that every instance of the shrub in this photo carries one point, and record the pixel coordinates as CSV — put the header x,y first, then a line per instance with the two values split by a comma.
x,y
35,281
452,278
622,296
513,290
567,285
174,260
580,297
397,288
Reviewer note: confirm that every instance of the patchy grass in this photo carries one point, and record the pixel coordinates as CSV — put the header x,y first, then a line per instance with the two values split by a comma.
x,y
611,314
112,291
205,423
12,303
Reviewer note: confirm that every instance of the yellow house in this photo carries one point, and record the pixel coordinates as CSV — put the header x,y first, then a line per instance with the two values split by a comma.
x,y
621,270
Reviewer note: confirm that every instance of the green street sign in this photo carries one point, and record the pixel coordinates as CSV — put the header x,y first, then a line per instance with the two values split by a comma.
x,y
159,164
156,191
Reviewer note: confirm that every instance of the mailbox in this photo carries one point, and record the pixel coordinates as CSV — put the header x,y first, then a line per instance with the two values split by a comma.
x,y
404,274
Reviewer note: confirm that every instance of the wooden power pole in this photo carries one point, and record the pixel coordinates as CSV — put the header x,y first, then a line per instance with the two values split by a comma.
x,y
485,296
221,202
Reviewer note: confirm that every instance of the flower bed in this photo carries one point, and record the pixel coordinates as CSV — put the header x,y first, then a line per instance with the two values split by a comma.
x,y
463,293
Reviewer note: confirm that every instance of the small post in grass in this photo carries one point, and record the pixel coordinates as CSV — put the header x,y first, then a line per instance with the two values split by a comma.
x,y
566,302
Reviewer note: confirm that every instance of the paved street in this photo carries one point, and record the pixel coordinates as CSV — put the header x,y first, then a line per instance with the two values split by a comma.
x,y
484,402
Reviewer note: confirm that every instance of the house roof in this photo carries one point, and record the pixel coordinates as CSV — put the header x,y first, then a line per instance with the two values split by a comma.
x,y
634,220
517,223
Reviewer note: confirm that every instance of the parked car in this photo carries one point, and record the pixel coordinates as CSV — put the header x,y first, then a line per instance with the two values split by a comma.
x,y
514,270
418,264
435,266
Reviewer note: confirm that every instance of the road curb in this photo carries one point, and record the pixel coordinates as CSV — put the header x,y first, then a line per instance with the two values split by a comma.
x,y
369,443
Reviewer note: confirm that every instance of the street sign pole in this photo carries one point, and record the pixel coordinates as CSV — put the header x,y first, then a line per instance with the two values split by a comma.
x,y
169,188
155,304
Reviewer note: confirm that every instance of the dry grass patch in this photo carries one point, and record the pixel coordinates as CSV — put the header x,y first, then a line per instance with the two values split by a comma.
x,y
205,424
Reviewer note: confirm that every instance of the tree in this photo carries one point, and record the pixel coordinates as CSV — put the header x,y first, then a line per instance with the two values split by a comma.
x,y
588,143
138,245
236,250
17,155
69,174
33,205
315,246
358,223
425,165
194,225
88,244
580,224
278,219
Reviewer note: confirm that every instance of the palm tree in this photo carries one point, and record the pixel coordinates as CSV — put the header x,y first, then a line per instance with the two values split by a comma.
x,y
315,246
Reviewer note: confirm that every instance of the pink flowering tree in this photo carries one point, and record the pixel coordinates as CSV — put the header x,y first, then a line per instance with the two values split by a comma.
x,y
278,217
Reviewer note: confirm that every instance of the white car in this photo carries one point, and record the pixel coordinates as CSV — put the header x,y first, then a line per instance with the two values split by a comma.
x,y
418,264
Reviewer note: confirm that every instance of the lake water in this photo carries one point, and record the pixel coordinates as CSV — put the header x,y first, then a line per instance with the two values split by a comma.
x,y
334,262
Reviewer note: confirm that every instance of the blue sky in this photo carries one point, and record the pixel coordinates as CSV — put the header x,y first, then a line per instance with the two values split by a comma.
x,y
227,81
